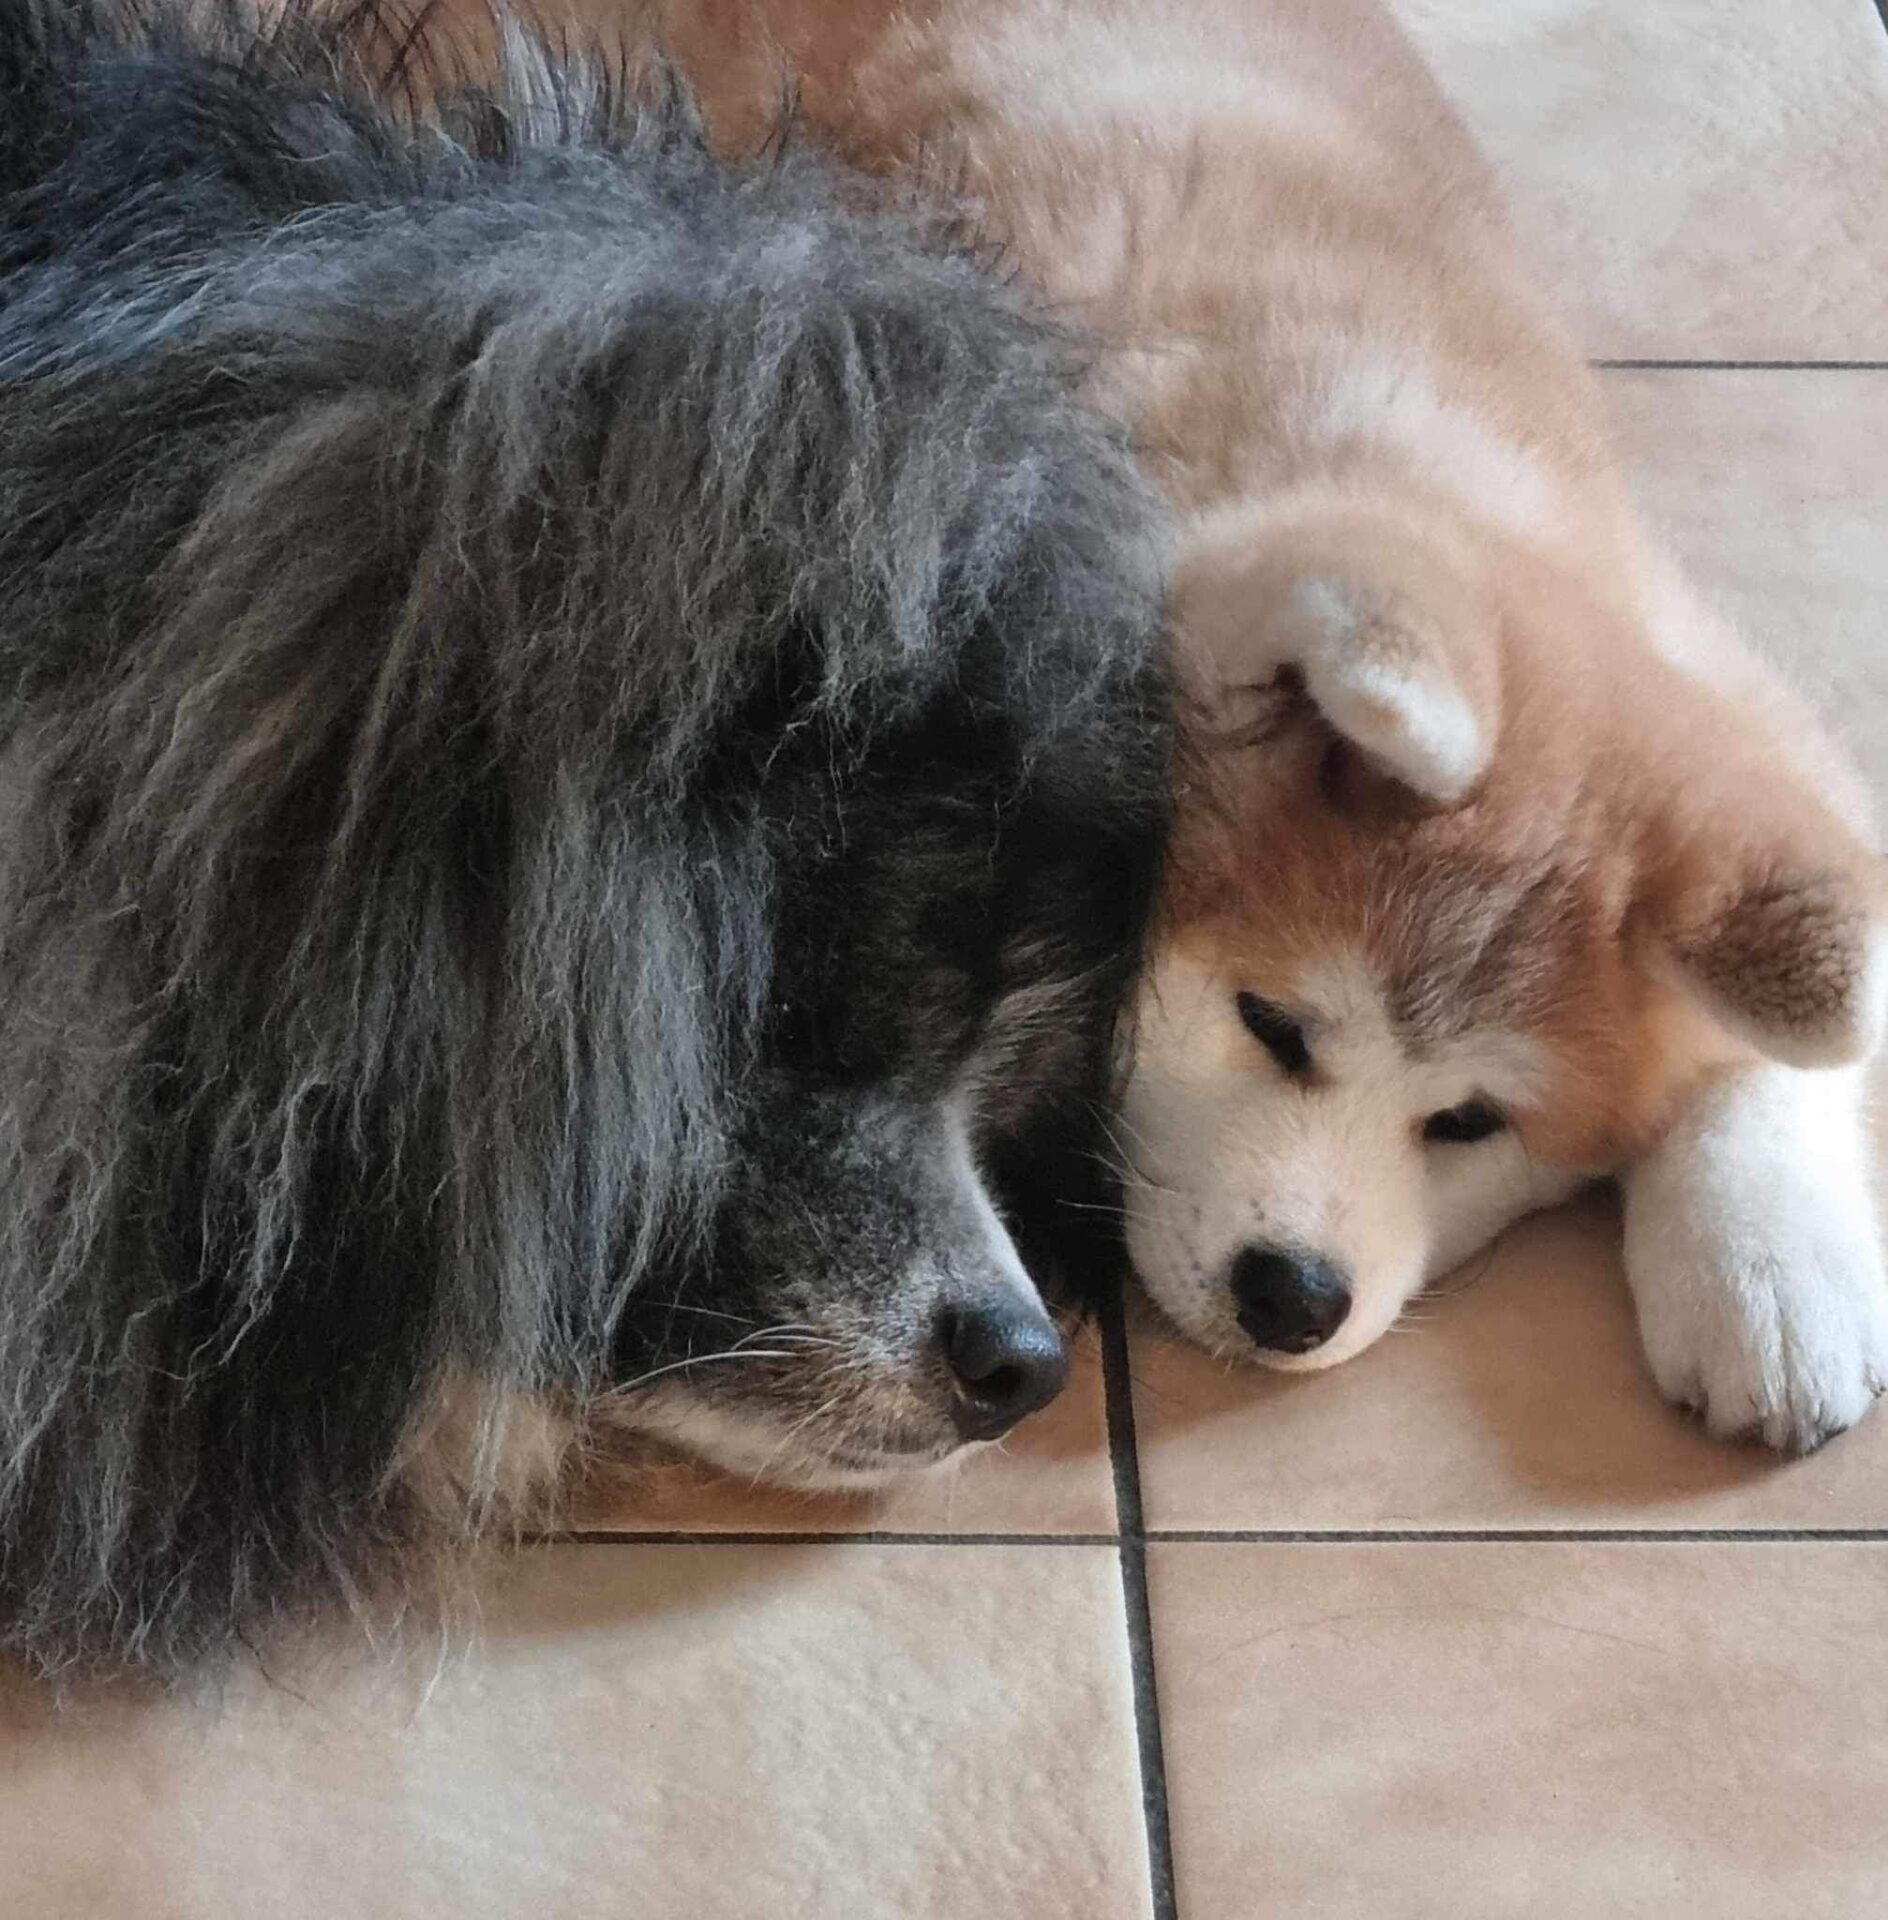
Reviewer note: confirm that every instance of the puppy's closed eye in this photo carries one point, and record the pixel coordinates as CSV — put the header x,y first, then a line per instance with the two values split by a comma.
x,y
1465,1124
1282,1036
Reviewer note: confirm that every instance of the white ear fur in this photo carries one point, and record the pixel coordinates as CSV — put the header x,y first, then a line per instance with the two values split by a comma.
x,y
1373,678
1379,612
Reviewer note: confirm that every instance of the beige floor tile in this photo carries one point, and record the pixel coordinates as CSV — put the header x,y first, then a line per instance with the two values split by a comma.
x,y
1699,178
644,1733
1558,1731
1518,1399
1052,1476
1770,486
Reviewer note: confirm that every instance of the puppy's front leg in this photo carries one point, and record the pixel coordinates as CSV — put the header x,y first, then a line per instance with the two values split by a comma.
x,y
1755,1257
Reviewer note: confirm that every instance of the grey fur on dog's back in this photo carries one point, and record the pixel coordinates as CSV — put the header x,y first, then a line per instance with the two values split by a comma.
x,y
423,552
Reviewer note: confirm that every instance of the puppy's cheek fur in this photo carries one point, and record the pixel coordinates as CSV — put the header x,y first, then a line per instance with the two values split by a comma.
x,y
1478,1195
1166,1246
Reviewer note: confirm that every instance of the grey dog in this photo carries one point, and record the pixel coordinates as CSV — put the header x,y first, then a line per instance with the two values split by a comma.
x,y
584,748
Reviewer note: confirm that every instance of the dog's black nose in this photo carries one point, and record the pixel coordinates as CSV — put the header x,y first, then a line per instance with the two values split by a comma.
x,y
1288,1302
1006,1360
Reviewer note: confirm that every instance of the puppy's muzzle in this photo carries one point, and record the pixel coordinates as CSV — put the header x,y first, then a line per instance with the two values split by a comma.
x,y
1005,1359
1289,1302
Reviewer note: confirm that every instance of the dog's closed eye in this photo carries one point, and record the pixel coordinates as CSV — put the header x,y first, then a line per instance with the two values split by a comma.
x,y
1278,1033
1463,1125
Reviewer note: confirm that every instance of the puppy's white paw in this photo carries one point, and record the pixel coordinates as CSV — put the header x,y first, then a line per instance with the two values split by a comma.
x,y
1757,1267
1787,1343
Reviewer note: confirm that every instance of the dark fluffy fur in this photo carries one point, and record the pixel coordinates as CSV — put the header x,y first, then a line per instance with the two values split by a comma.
x,y
555,701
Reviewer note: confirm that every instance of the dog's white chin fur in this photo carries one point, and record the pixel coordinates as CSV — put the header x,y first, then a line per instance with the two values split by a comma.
x,y
754,1444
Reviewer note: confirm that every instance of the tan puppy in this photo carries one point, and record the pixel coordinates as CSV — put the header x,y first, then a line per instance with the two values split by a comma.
x,y
1505,866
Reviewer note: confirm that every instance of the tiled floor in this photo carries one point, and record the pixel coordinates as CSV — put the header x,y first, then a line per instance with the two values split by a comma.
x,y
1472,1627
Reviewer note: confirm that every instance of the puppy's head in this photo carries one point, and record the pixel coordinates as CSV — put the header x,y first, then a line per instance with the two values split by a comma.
x,y
1470,888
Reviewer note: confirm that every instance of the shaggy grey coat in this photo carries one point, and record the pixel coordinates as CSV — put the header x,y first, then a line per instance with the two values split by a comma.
x,y
569,718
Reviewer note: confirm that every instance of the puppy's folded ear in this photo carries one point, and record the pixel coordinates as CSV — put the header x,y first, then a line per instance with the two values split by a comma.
x,y
1379,612
1773,917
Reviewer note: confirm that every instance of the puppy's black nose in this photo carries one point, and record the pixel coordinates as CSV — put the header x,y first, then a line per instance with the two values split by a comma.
x,y
1006,1360
1288,1302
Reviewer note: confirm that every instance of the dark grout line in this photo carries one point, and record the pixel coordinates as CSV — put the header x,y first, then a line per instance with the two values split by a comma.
x,y
1124,1456
1742,366
759,1537
1134,1537
1440,1536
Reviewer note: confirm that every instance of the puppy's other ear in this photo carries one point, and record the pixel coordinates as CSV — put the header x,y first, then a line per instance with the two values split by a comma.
x,y
1380,613
1773,917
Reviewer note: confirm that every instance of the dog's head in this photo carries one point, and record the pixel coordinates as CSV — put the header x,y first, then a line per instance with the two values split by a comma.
x,y
1470,887
919,841
951,919
586,752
